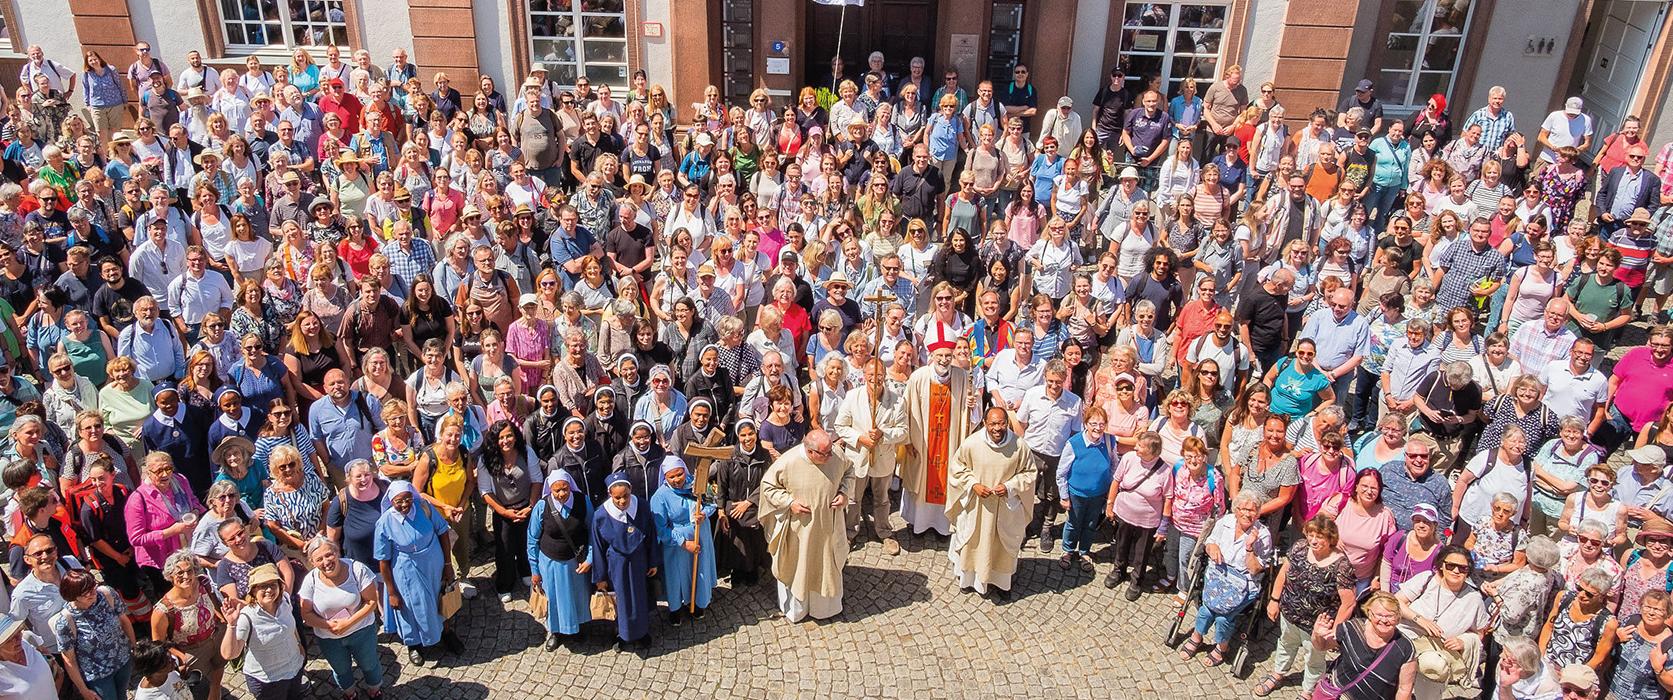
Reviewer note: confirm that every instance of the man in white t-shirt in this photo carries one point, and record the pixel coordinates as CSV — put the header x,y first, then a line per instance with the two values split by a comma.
x,y
1222,347
1569,127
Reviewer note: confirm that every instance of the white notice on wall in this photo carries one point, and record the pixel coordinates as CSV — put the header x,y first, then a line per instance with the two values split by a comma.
x,y
778,66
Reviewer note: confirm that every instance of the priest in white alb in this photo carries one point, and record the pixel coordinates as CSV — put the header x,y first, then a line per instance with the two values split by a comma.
x,y
991,487
803,495
937,420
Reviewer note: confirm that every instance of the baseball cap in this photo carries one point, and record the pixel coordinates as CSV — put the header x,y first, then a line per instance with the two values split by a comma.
x,y
1573,106
528,300
705,270
1579,676
1648,454
1364,85
1065,101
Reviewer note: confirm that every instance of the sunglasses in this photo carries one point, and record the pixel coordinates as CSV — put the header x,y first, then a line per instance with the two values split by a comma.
x,y
1455,567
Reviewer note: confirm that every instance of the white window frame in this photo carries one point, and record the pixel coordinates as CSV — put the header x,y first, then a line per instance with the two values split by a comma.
x,y
579,39
286,30
1168,53
1413,72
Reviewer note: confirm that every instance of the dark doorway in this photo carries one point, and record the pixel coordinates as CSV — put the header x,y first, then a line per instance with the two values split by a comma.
x,y
900,29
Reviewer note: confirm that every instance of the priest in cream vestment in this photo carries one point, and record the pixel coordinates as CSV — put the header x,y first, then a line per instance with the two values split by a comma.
x,y
803,496
990,501
937,420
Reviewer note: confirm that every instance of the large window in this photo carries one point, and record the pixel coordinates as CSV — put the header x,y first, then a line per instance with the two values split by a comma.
x,y
250,25
1004,42
580,37
1420,56
737,50
1177,41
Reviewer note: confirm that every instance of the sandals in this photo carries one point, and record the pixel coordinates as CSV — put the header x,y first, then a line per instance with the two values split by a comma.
x,y
1271,683
1215,657
1190,649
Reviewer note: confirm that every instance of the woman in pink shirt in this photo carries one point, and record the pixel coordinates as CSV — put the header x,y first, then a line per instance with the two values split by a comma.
x,y
1136,498
1365,526
1327,477
159,514
1194,499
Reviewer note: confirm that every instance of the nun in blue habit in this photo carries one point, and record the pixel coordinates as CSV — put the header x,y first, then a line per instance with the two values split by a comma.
x,y
561,551
625,557
687,544
410,546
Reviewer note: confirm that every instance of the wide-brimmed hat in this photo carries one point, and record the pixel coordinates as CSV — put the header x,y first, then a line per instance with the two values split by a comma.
x,y
838,278
1435,662
349,156
264,574
196,93
637,180
1129,173
124,136
228,445
1639,216
207,153
1653,528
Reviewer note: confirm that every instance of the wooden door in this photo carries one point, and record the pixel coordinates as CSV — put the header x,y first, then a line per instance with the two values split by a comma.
x,y
900,29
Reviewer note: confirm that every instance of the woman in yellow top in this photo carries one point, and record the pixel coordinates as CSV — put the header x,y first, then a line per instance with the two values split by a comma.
x,y
446,478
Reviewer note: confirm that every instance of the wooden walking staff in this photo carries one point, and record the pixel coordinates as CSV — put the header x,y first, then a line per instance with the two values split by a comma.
x,y
703,455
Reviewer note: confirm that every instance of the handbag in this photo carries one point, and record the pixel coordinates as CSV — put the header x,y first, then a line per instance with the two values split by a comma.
x,y
451,600
1226,590
603,607
537,603
1326,688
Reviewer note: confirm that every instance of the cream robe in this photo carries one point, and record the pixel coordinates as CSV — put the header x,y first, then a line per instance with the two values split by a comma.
x,y
809,550
919,514
988,532
854,419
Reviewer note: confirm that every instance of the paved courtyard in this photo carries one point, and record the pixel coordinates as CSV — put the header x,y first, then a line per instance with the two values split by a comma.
x,y
905,631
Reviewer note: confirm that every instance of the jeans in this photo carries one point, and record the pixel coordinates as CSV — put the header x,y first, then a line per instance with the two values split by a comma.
x,y
358,648
1046,506
1381,203
1268,358
1177,560
113,686
1367,392
1342,386
1295,643
1081,528
1496,307
1224,625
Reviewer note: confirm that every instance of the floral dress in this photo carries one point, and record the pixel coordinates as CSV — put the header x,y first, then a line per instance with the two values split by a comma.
x,y
1494,546
1560,194
1311,589
268,327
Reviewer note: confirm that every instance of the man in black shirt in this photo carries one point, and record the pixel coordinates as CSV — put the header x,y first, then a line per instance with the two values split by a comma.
x,y
113,304
919,187
1261,317
1365,98
1358,163
629,246
1109,107
585,149
1019,98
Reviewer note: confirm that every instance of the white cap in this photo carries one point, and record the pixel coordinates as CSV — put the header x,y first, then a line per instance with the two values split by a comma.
x,y
1574,105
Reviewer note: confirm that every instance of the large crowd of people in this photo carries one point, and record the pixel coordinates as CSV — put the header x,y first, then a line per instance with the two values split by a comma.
x,y
286,348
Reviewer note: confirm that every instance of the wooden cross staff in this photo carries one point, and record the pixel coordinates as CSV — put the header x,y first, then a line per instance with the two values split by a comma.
x,y
703,456
877,301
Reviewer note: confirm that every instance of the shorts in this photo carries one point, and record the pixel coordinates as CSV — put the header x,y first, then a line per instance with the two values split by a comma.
x,y
1661,279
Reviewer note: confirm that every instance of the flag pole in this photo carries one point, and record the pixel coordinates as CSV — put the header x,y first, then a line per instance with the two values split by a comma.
x,y
842,18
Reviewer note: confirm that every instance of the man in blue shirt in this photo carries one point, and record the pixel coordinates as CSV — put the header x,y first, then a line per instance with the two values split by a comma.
x,y
153,344
342,424
1342,337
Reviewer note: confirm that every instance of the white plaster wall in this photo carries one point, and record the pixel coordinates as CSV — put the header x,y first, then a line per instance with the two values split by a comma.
x,y
1530,81
1662,130
173,28
45,22
656,54
1086,57
493,43
1260,41
385,25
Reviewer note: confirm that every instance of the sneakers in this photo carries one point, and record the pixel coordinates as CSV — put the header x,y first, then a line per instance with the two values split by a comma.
x,y
891,546
505,597
1046,542
467,590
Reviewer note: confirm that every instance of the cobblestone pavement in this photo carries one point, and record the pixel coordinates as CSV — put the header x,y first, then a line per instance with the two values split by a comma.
x,y
905,631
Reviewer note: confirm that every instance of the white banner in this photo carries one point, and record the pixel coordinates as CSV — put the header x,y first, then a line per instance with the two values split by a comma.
x,y
856,3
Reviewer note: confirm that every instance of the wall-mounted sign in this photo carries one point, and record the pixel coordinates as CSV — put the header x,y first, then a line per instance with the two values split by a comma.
x,y
778,66
779,46
650,30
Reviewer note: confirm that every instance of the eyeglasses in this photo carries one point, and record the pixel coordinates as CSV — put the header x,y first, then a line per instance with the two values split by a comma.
x,y
1593,541
49,551
1600,482
1585,592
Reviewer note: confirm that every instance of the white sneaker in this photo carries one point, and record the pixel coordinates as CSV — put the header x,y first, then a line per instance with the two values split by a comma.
x,y
505,597
467,590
